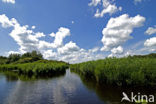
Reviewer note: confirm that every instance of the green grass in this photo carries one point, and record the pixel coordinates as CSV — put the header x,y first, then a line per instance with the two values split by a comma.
x,y
37,68
31,64
132,70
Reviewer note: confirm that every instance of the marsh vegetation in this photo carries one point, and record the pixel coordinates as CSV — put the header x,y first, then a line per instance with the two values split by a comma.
x,y
138,70
31,64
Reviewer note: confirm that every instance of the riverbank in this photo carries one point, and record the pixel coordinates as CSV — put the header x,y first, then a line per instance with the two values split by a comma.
x,y
37,68
32,64
126,71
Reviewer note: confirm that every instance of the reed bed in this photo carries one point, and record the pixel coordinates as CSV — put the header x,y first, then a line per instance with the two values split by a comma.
x,y
132,70
37,68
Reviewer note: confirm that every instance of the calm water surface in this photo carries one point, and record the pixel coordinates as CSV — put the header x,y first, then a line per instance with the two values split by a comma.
x,y
66,89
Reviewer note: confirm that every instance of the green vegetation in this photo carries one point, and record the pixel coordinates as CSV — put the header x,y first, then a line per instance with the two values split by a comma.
x,y
142,102
24,58
133,70
14,76
31,64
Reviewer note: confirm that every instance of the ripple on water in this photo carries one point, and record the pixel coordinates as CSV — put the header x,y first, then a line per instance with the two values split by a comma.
x,y
68,89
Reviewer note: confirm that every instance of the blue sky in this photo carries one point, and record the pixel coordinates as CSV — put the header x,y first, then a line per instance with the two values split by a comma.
x,y
82,23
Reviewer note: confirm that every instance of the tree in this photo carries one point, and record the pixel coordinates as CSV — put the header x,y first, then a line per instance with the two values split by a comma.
x,y
3,60
13,58
34,55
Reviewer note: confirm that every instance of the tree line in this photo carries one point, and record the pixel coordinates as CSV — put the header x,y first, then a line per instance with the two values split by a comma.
x,y
21,58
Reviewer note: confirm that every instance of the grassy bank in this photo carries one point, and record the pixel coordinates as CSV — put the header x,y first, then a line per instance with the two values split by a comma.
x,y
32,64
132,70
14,76
38,68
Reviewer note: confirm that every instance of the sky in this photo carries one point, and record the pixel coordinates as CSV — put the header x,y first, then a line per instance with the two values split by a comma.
x,y
78,30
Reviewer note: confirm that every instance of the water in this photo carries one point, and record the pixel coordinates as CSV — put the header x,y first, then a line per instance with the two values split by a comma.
x,y
66,89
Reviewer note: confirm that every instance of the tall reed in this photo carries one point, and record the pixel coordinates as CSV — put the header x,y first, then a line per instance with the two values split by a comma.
x,y
132,70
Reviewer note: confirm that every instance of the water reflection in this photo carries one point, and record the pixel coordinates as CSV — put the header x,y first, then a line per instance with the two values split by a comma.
x,y
113,94
66,89
10,77
13,76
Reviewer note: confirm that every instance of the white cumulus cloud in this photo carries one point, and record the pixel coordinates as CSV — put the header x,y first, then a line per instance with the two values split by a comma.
x,y
4,20
33,27
150,42
96,49
94,2
118,31
28,40
118,50
9,1
108,7
60,35
69,48
151,30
